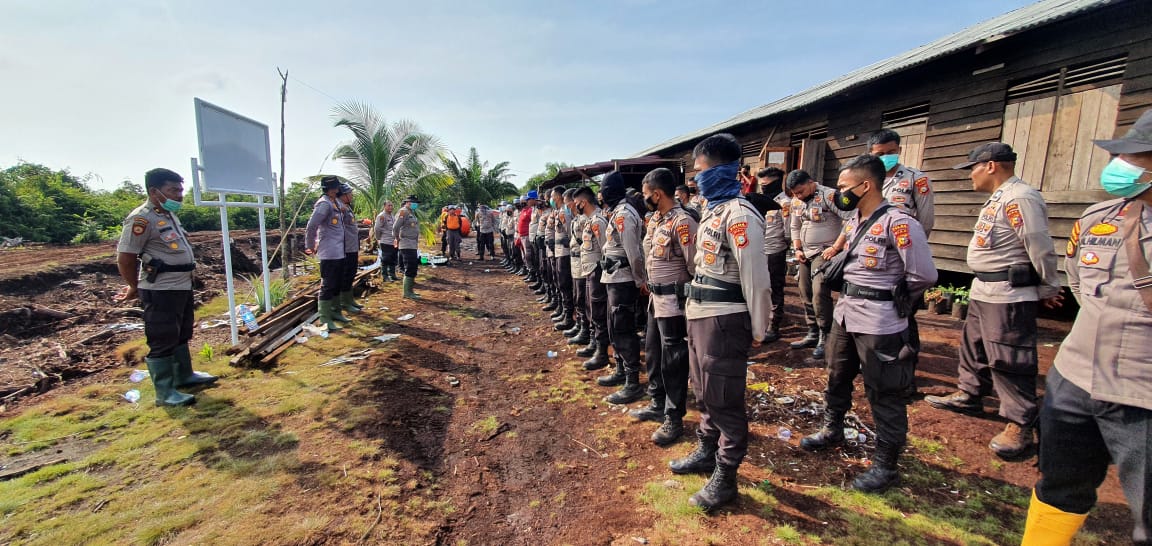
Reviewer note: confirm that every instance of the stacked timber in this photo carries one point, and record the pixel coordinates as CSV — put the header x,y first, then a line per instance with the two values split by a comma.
x,y
279,327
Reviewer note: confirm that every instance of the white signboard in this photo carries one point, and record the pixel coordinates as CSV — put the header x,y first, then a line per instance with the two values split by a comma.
x,y
234,152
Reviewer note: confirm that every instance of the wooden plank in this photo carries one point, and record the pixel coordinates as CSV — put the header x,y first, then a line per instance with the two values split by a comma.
x,y
1085,197
912,150
960,198
959,238
1039,134
1105,127
949,252
956,150
944,163
1062,149
967,138
940,186
1081,163
1020,135
1011,117
1067,210
945,264
968,209
941,129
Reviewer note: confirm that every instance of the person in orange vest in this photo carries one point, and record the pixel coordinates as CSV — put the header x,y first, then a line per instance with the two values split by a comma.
x,y
452,225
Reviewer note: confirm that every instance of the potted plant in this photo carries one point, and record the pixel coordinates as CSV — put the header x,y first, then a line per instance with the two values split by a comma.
x,y
960,303
935,299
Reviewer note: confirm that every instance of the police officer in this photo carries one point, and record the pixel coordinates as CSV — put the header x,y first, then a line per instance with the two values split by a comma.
x,y
1014,260
351,253
485,232
869,335
382,232
815,227
515,264
728,310
624,276
592,240
684,197
546,235
580,333
154,243
561,221
324,237
777,241
904,186
670,251
406,232
1098,400
526,238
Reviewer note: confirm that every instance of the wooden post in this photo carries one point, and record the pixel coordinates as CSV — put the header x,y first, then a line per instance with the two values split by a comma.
x,y
283,180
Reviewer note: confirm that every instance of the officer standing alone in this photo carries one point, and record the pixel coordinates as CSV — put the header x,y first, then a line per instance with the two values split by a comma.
x,y
324,238
869,334
1014,260
729,308
406,232
382,232
154,241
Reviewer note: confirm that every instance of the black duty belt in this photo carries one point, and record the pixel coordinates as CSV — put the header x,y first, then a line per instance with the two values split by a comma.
x,y
612,264
575,253
667,289
995,276
867,293
719,291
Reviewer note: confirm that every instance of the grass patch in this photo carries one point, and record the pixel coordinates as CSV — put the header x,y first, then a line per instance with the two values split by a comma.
x,y
486,426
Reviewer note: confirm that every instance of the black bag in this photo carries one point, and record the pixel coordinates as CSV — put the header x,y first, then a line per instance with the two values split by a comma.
x,y
833,270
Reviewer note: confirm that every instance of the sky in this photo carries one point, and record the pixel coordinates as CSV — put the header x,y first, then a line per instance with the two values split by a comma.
x,y
106,88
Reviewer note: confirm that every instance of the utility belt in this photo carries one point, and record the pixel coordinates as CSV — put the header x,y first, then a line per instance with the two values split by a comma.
x,y
678,289
864,292
612,264
155,266
1018,275
718,291
575,254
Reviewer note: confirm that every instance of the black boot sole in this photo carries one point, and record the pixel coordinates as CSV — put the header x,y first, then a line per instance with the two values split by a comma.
x,y
610,381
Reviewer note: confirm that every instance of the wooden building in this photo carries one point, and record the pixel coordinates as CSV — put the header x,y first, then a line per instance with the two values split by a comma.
x,y
1047,79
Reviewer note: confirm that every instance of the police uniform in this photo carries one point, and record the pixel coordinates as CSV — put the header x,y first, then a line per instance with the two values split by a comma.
x,y
777,241
561,242
911,190
351,259
816,223
1097,405
546,234
670,254
326,233
485,231
382,231
592,241
869,336
623,274
165,288
406,230
579,287
998,347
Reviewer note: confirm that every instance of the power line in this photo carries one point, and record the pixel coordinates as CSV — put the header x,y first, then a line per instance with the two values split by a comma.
x,y
305,84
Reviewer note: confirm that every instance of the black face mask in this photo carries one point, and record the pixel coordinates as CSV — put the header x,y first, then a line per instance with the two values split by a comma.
x,y
650,204
579,207
809,198
846,200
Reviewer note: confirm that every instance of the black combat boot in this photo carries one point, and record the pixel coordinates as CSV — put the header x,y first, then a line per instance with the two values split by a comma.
x,y
670,431
883,472
589,350
818,354
773,334
720,489
553,304
630,392
567,321
830,434
575,330
582,336
809,341
654,411
541,289
614,379
701,460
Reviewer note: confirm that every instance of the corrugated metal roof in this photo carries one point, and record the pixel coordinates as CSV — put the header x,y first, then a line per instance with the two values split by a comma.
x,y
1040,13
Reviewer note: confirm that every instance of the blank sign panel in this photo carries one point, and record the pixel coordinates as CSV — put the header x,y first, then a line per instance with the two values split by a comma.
x,y
234,152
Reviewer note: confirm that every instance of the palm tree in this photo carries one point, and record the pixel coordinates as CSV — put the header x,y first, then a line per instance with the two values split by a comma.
x,y
387,161
475,182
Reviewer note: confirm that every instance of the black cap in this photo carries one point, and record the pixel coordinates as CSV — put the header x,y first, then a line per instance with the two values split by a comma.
x,y
329,183
992,151
1138,139
344,189
412,199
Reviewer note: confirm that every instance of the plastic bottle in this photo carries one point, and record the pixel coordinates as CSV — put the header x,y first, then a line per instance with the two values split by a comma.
x,y
552,354
247,316
784,434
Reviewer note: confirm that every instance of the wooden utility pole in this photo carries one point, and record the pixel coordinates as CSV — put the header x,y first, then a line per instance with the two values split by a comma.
x,y
284,250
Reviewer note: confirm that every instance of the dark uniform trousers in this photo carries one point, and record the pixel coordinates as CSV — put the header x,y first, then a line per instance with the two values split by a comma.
x,y
817,298
453,237
168,320
666,355
717,356
1079,438
485,241
641,319
622,323
579,296
598,308
387,257
564,280
409,261
505,248
351,266
778,272
998,350
885,361
331,277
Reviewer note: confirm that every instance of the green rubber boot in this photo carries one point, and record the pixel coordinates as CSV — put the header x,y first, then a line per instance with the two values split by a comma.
x,y
348,302
325,309
163,373
334,306
408,293
185,375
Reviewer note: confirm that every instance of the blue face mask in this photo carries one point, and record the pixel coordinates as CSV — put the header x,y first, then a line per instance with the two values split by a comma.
x,y
413,206
1119,178
890,161
719,184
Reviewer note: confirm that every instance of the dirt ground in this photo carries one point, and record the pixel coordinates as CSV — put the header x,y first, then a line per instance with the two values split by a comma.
x,y
524,452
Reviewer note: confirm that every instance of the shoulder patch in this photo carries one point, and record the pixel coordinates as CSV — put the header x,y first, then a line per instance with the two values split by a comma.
x,y
922,185
619,221
1073,240
900,232
1015,219
739,232
684,232
139,224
